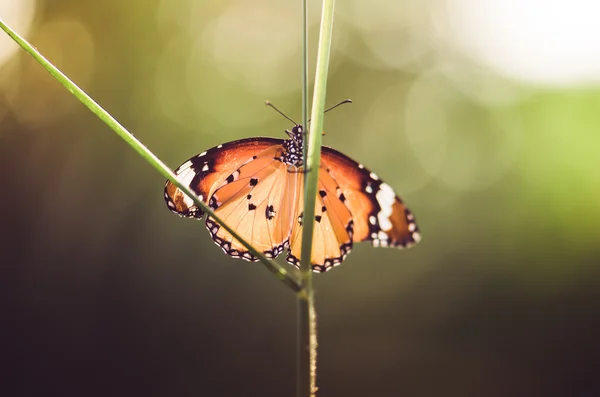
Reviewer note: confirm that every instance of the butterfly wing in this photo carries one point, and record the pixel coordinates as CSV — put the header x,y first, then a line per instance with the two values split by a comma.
x,y
257,200
379,215
249,186
205,172
332,236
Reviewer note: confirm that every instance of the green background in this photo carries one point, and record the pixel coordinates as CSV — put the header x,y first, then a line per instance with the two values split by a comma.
x,y
105,292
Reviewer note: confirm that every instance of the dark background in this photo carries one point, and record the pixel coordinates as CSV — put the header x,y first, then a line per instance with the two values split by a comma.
x,y
104,292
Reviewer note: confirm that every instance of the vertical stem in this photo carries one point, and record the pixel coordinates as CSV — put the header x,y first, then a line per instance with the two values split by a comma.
x,y
305,70
304,380
307,342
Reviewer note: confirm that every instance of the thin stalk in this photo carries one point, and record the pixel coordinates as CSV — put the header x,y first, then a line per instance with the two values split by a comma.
x,y
305,381
304,70
283,275
312,160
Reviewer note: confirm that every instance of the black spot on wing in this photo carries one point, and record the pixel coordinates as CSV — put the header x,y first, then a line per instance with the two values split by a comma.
x,y
269,212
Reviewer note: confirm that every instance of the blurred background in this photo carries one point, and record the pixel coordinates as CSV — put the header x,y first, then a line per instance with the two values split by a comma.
x,y
483,115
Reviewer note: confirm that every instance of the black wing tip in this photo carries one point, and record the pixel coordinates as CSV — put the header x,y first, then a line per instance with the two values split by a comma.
x,y
413,238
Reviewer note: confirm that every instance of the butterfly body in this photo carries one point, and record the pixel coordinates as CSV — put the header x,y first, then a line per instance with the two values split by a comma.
x,y
256,186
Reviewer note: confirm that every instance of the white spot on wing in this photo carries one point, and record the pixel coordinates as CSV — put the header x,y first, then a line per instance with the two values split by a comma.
x,y
186,177
361,166
374,176
372,220
188,201
369,189
202,154
205,167
184,166
386,198
416,236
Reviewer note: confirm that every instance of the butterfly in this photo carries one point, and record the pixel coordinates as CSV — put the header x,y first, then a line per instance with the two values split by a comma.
x,y
256,186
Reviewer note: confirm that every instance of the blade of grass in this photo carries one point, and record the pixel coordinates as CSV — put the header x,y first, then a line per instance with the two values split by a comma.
x,y
305,381
283,275
313,143
312,160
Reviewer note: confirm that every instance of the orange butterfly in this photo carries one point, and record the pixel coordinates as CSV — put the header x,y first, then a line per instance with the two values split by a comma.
x,y
256,185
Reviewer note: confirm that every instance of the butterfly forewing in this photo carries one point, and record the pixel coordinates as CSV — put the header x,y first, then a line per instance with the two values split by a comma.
x,y
379,214
205,172
255,201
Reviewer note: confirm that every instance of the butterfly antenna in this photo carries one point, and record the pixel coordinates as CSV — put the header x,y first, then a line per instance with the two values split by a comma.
x,y
335,106
339,104
268,103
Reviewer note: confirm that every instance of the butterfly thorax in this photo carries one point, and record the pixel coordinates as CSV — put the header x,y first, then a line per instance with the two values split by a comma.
x,y
293,147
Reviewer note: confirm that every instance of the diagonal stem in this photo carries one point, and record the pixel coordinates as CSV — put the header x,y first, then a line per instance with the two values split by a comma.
x,y
283,275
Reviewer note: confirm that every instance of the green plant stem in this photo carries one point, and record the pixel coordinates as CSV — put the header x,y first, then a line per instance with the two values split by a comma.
x,y
304,381
313,152
283,275
312,160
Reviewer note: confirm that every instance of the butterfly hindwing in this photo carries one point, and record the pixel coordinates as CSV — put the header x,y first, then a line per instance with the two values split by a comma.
x,y
379,214
333,227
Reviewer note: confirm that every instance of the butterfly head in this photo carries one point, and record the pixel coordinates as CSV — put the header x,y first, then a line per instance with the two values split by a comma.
x,y
296,134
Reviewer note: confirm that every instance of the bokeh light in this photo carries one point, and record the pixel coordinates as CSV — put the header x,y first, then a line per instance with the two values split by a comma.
x,y
457,140
543,42
67,44
395,34
19,15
